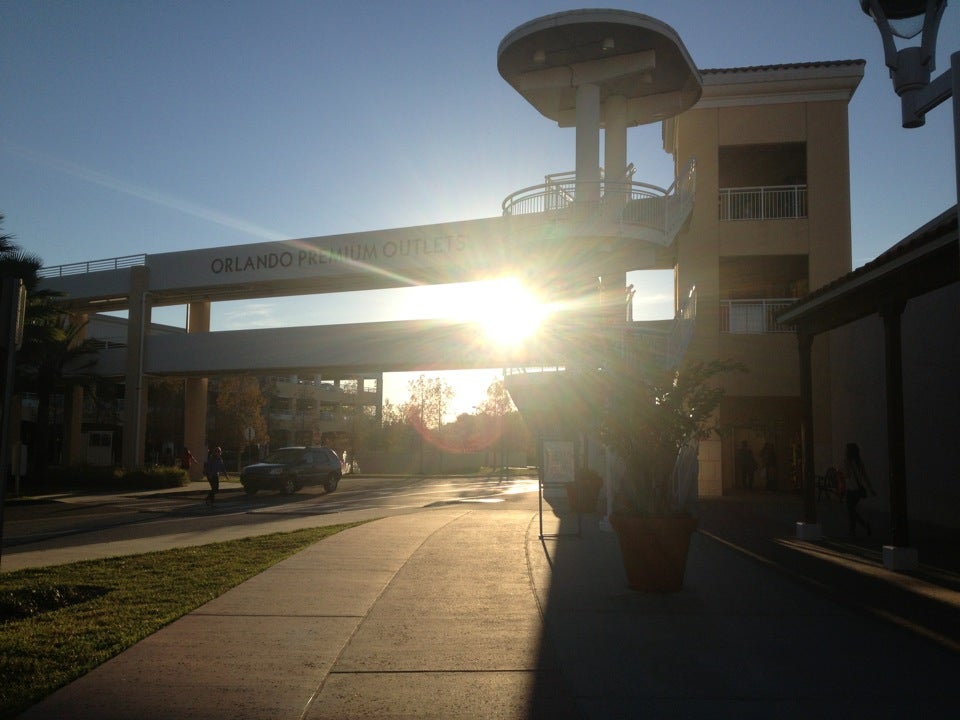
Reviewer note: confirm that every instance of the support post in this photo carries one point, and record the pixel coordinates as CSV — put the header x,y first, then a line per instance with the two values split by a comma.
x,y
809,528
135,391
896,453
195,395
588,144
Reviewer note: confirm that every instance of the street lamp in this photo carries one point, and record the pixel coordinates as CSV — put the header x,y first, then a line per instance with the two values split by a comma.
x,y
911,67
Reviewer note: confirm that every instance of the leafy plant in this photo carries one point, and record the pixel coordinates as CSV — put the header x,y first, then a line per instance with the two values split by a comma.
x,y
654,419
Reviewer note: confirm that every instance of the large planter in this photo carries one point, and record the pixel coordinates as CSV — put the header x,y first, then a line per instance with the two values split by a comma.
x,y
582,494
654,550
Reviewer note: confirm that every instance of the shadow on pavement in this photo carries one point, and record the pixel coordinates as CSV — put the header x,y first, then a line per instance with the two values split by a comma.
x,y
765,626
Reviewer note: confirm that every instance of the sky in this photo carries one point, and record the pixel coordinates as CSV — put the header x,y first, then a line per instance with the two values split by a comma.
x,y
148,126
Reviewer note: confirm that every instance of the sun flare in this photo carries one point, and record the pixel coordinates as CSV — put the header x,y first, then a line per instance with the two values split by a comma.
x,y
508,313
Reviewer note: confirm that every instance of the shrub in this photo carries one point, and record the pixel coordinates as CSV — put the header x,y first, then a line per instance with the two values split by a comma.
x,y
96,477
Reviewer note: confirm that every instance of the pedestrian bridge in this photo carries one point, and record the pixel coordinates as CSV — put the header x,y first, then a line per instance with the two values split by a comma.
x,y
433,254
558,259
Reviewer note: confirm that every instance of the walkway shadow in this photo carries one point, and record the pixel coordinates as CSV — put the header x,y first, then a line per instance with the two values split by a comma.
x,y
763,627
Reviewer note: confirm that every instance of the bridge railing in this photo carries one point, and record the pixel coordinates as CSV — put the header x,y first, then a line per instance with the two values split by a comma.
x,y
89,266
627,201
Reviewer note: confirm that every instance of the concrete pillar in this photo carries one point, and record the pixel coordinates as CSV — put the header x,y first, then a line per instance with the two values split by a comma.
x,y
195,395
809,528
896,448
588,143
135,393
615,154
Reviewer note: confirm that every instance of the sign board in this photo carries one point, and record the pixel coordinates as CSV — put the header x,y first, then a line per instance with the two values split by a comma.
x,y
558,462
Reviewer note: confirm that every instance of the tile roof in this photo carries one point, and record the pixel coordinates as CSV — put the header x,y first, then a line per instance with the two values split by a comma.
x,y
781,66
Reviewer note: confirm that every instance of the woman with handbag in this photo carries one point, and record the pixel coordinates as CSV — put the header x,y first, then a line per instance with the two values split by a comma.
x,y
858,485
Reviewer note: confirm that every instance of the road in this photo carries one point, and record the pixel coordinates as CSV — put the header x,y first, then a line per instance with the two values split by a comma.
x,y
71,527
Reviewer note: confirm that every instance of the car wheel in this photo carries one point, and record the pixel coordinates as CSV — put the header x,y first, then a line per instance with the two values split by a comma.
x,y
289,487
331,483
250,490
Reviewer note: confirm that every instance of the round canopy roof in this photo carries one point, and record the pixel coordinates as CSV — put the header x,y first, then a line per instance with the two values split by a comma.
x,y
623,53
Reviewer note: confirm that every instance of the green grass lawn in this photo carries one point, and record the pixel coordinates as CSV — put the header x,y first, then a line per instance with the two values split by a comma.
x,y
58,623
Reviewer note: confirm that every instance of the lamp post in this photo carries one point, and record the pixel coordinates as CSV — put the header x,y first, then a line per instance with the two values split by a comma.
x,y
911,67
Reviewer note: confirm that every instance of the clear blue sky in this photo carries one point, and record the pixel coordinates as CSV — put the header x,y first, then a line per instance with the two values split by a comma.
x,y
143,127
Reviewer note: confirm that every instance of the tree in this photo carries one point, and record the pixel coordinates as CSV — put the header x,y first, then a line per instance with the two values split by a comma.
x,y
429,400
653,419
54,356
501,419
240,403
53,344
498,402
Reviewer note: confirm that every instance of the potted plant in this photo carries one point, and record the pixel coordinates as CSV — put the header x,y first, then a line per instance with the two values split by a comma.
x,y
583,491
653,420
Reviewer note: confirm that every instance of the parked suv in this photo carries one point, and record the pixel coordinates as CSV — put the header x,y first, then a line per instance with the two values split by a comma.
x,y
289,469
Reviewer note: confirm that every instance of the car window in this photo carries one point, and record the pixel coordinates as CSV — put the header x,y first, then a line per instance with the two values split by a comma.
x,y
285,455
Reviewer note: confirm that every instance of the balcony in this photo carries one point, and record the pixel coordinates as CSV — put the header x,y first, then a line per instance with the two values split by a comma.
x,y
752,317
626,207
775,202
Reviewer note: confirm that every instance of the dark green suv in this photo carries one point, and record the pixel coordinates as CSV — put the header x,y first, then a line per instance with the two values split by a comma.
x,y
291,468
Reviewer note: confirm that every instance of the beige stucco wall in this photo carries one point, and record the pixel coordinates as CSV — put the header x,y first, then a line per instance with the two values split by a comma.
x,y
823,236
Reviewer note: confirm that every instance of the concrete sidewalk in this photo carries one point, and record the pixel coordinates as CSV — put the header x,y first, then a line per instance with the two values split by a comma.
x,y
463,611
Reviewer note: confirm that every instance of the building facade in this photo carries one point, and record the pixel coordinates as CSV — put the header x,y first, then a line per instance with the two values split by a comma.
x,y
771,222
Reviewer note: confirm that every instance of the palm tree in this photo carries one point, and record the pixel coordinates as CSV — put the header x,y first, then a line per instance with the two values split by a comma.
x,y
50,343
54,357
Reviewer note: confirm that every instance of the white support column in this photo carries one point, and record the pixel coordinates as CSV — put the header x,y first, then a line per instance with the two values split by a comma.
x,y
588,143
195,395
135,391
615,152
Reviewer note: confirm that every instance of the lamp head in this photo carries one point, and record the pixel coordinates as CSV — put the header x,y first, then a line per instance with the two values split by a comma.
x,y
905,16
910,67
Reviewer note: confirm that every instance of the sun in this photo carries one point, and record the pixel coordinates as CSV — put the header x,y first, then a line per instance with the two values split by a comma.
x,y
508,313
513,313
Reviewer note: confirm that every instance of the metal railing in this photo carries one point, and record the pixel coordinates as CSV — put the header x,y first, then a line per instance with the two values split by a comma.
x,y
774,202
80,268
625,201
745,317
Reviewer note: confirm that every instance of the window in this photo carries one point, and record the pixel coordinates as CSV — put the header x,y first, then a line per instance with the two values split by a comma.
x,y
754,289
763,182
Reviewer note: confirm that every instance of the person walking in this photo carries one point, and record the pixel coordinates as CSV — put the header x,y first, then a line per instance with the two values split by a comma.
x,y
746,465
213,468
858,486
187,459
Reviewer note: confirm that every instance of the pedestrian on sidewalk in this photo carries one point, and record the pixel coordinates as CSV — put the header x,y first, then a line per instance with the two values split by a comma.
x,y
746,465
858,486
213,468
187,459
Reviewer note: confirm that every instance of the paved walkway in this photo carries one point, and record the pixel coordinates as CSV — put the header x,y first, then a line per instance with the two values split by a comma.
x,y
463,611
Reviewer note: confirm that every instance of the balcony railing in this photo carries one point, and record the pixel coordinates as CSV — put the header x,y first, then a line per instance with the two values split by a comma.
x,y
746,317
80,268
763,203
623,201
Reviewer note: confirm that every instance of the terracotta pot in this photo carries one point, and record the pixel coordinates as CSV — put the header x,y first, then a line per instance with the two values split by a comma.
x,y
582,495
654,550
